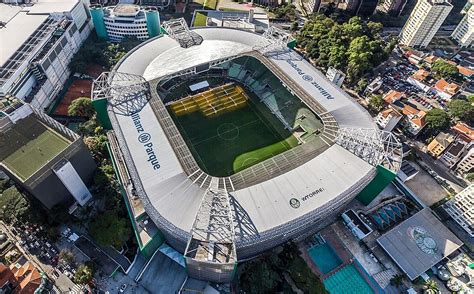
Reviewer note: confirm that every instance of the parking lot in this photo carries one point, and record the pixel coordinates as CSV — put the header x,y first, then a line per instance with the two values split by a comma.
x,y
395,78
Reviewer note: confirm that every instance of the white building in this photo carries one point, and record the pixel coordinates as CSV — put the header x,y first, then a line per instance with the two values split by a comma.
x,y
37,44
115,22
424,22
461,209
464,32
466,164
336,76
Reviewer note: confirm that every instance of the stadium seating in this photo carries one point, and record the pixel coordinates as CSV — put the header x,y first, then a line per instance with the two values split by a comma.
x,y
213,102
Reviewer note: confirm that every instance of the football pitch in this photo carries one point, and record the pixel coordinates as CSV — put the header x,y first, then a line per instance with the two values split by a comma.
x,y
37,152
232,141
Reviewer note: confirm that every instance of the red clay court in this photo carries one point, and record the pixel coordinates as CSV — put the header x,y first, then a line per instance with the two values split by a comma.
x,y
77,89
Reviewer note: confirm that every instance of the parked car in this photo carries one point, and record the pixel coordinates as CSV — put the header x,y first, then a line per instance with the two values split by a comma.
x,y
122,288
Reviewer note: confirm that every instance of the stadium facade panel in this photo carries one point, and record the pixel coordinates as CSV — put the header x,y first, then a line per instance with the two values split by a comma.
x,y
281,198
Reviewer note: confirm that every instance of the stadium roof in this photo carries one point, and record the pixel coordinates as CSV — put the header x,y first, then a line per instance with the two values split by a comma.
x,y
263,206
419,243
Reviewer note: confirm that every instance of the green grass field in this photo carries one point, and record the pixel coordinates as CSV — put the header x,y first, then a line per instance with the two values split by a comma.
x,y
30,157
233,141
200,19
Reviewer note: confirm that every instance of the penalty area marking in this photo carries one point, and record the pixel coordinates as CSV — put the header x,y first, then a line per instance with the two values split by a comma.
x,y
228,131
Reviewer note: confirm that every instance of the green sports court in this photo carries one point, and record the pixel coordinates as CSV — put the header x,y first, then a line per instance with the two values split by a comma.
x,y
225,144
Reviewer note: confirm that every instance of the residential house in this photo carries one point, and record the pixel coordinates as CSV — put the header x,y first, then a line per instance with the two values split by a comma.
x,y
440,143
430,59
465,72
419,79
454,153
392,96
446,90
414,119
21,279
387,119
464,131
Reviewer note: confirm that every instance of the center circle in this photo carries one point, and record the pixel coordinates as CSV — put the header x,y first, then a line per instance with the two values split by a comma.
x,y
228,131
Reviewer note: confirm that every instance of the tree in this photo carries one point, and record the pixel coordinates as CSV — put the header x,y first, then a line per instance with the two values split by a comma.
x,y
108,229
84,273
437,119
461,109
97,145
470,177
259,277
66,256
81,106
294,26
431,286
397,280
353,47
376,102
361,85
470,98
443,69
13,206
129,42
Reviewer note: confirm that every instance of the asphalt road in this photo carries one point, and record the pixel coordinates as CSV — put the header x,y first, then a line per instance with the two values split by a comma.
x,y
439,168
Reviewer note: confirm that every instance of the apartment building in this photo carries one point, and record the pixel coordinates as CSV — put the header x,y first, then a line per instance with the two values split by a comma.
x,y
464,32
424,22
461,209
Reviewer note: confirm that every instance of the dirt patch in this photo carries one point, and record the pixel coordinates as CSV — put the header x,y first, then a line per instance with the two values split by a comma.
x,y
78,88
94,70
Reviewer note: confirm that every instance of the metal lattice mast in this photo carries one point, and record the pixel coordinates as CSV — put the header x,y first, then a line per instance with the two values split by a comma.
x,y
274,40
128,93
372,145
214,222
178,29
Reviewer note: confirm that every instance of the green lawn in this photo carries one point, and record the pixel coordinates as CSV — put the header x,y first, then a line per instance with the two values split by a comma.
x,y
36,153
233,141
210,4
200,19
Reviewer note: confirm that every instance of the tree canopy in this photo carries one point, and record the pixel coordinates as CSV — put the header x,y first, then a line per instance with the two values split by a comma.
x,y
81,106
443,69
109,229
470,177
13,205
84,274
101,52
286,12
462,110
354,47
437,119
376,102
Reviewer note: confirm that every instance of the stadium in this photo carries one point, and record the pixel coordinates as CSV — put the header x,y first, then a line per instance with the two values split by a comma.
x,y
234,143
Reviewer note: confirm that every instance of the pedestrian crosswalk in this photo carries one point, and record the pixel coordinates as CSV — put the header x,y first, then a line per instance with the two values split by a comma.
x,y
77,289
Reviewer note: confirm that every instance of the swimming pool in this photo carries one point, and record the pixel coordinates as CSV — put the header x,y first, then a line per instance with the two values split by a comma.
x,y
347,280
324,257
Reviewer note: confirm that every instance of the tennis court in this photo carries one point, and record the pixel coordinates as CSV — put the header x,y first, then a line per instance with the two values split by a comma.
x,y
233,140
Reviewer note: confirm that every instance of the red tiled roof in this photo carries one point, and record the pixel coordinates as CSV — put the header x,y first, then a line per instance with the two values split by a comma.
x,y
464,130
449,88
393,96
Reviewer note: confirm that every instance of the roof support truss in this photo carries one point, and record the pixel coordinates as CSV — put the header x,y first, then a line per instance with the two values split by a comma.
x,y
374,146
128,93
